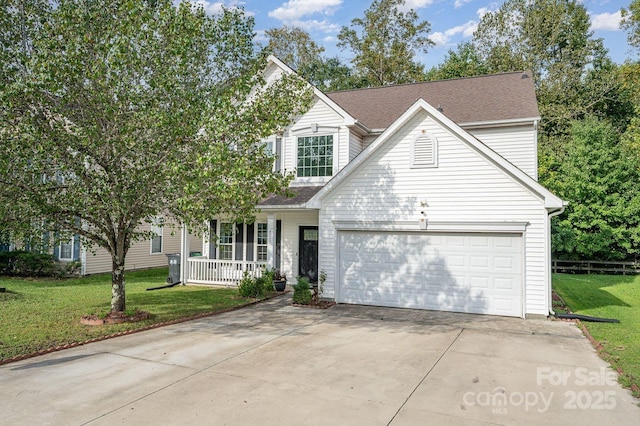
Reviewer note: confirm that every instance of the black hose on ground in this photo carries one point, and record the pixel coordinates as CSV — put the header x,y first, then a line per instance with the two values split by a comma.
x,y
164,286
586,318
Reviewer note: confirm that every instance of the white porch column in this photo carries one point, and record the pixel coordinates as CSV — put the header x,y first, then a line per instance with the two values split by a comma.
x,y
271,240
184,253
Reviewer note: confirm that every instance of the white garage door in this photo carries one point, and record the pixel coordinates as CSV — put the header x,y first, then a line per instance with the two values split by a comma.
x,y
477,273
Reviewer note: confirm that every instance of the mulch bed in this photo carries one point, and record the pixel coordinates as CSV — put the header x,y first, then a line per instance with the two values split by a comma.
x,y
323,304
115,318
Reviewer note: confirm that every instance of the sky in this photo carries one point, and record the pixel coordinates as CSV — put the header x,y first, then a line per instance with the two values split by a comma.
x,y
452,21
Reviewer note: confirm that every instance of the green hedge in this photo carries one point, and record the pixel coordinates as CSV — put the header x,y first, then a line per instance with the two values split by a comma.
x,y
27,264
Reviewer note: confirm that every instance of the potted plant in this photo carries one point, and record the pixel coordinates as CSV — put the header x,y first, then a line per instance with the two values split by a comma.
x,y
279,280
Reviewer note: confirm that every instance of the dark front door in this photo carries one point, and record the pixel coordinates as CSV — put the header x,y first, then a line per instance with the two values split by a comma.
x,y
308,260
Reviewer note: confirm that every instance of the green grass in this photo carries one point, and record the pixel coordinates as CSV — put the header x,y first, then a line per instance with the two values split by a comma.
x,y
37,314
609,296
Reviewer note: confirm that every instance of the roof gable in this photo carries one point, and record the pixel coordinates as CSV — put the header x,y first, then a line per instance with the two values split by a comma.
x,y
550,200
491,98
349,120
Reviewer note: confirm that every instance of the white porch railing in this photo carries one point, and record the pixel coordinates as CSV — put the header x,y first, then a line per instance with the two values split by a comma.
x,y
226,272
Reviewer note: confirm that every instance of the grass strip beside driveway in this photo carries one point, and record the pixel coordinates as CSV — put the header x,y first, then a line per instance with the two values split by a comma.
x,y
38,314
609,296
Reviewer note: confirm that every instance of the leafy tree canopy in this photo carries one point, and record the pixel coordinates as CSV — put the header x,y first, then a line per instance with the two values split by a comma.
x,y
124,110
294,46
599,178
631,23
384,44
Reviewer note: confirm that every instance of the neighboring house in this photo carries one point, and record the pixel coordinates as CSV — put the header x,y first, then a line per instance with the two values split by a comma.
x,y
419,196
142,254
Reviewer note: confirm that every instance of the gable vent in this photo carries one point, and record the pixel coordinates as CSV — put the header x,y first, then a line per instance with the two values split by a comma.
x,y
424,151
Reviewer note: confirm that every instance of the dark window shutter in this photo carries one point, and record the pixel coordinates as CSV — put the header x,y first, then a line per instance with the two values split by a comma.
x,y
213,224
278,243
76,247
250,238
239,240
56,247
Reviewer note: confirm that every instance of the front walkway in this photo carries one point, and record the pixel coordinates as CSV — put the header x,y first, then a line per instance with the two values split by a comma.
x,y
273,363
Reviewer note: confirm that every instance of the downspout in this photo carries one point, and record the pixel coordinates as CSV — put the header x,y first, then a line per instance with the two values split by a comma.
x,y
549,277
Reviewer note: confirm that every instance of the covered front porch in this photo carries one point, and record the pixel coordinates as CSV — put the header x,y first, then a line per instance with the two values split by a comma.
x,y
286,240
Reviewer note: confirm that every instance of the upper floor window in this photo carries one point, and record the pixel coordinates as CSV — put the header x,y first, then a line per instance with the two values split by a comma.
x,y
424,151
315,156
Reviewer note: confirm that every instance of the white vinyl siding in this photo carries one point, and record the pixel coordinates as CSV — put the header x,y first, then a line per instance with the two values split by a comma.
x,y
319,120
355,145
517,144
466,187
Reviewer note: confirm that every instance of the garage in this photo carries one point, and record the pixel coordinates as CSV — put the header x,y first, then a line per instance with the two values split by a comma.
x,y
460,272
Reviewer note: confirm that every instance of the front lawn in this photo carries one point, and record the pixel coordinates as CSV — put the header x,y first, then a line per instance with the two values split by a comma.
x,y
610,296
37,314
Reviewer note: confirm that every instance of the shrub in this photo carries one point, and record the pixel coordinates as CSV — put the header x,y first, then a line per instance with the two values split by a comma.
x,y
247,286
26,264
302,292
267,280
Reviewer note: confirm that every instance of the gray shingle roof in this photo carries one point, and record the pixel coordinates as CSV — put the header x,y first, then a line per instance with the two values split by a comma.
x,y
497,97
302,194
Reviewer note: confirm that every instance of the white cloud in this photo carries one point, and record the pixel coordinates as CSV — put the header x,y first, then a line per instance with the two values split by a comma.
x,y
442,38
315,25
330,39
484,10
296,9
459,3
416,4
606,21
214,7
261,36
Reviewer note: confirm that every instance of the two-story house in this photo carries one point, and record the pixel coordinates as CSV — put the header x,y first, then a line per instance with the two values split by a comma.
x,y
421,195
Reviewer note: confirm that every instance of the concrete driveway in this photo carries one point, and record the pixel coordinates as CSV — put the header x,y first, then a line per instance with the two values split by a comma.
x,y
274,364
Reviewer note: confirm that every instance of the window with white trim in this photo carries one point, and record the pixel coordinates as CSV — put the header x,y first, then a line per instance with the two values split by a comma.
x,y
315,156
156,239
66,250
261,242
424,151
225,241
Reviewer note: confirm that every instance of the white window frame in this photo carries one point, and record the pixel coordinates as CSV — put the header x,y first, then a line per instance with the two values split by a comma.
x,y
157,230
334,139
69,243
416,163
258,245
231,243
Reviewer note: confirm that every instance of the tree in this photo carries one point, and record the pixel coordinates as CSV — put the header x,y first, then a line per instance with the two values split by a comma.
x,y
465,62
293,46
551,38
599,178
384,44
631,23
127,110
328,74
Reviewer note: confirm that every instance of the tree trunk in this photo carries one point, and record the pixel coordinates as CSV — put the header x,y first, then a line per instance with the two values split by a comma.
x,y
117,286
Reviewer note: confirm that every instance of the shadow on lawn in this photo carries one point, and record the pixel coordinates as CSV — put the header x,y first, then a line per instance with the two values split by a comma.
x,y
589,291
